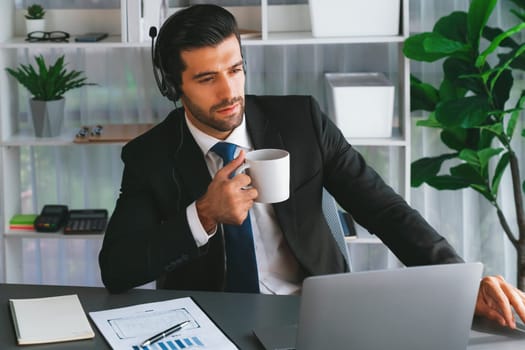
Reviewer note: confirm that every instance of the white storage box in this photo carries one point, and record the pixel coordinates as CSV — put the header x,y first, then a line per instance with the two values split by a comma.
x,y
354,17
361,104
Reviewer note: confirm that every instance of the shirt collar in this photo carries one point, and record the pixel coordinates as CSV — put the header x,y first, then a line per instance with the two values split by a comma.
x,y
239,136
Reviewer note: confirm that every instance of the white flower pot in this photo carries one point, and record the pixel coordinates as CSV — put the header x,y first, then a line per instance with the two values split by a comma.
x,y
48,117
34,25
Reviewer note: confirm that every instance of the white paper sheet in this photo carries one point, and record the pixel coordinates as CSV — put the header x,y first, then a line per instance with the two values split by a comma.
x,y
127,327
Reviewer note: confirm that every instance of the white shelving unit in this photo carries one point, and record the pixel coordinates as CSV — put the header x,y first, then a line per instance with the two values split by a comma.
x,y
281,26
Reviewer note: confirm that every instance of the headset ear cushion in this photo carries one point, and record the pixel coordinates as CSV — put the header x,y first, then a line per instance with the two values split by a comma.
x,y
171,92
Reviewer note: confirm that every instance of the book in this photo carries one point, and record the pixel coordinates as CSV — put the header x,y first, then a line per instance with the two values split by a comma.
x,y
90,37
49,320
22,222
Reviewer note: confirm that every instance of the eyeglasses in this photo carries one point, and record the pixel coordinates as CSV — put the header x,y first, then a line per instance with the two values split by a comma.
x,y
55,36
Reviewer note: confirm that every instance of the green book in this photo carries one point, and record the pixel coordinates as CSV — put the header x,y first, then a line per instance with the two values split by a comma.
x,y
23,219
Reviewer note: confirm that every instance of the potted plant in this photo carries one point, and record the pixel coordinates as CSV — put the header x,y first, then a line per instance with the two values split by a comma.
x,y
472,109
35,18
48,85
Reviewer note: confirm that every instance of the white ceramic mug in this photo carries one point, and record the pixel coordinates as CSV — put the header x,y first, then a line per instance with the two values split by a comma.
x,y
269,170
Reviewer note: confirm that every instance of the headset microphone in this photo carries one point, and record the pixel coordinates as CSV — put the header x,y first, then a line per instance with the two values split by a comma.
x,y
158,72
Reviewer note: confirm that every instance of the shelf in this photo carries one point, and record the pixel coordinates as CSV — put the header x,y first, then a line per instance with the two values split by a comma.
x,y
50,235
275,38
362,240
306,38
111,134
27,138
20,43
397,140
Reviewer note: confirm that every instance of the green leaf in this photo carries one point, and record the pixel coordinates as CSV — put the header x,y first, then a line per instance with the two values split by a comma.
x,y
448,182
498,173
484,191
477,17
504,66
430,122
490,34
480,61
484,157
440,45
453,26
500,86
466,112
454,138
511,126
413,49
471,157
423,96
520,15
496,129
450,91
485,138
463,74
516,62
468,173
519,3
426,168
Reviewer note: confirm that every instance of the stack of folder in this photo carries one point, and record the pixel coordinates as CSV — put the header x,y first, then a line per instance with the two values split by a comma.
x,y
22,222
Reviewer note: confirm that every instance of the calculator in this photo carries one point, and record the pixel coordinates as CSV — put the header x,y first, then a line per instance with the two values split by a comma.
x,y
86,221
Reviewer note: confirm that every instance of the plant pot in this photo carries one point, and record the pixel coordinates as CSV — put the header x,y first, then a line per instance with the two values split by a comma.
x,y
333,18
48,117
33,25
361,104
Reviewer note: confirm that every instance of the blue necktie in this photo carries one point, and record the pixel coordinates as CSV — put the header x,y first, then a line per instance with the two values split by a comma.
x,y
241,265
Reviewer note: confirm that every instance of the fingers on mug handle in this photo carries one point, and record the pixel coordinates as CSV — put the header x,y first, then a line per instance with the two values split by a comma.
x,y
241,169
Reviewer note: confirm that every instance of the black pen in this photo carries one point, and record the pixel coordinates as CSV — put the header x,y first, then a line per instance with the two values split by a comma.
x,y
164,334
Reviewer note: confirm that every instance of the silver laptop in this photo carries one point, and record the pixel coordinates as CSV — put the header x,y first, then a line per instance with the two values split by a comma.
x,y
426,307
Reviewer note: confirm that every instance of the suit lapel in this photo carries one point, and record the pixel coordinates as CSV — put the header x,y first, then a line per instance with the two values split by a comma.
x,y
194,174
265,135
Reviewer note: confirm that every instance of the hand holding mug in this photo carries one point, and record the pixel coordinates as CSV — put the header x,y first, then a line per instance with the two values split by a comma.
x,y
269,170
227,199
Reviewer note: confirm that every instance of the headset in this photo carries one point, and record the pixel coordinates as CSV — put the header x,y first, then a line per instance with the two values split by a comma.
x,y
166,88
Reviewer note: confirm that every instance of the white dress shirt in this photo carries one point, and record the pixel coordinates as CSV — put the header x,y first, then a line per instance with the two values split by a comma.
x,y
279,271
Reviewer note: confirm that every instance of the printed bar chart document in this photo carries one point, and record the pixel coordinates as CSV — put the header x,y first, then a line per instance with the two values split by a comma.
x,y
49,320
128,327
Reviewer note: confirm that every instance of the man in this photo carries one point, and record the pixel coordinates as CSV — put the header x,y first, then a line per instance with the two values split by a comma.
x,y
181,201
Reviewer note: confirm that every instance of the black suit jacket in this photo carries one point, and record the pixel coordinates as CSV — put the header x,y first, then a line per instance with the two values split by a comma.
x,y
148,237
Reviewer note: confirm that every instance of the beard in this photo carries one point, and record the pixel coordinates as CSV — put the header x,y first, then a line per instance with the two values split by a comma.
x,y
210,119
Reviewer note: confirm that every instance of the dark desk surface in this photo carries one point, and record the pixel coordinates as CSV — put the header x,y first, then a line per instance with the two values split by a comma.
x,y
236,314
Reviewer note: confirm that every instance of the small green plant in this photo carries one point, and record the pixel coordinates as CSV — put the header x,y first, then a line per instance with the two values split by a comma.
x,y
35,11
48,83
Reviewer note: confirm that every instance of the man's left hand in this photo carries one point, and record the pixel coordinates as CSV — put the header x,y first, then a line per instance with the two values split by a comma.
x,y
497,298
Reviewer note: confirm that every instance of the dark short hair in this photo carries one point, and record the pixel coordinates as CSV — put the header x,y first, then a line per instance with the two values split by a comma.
x,y
193,27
